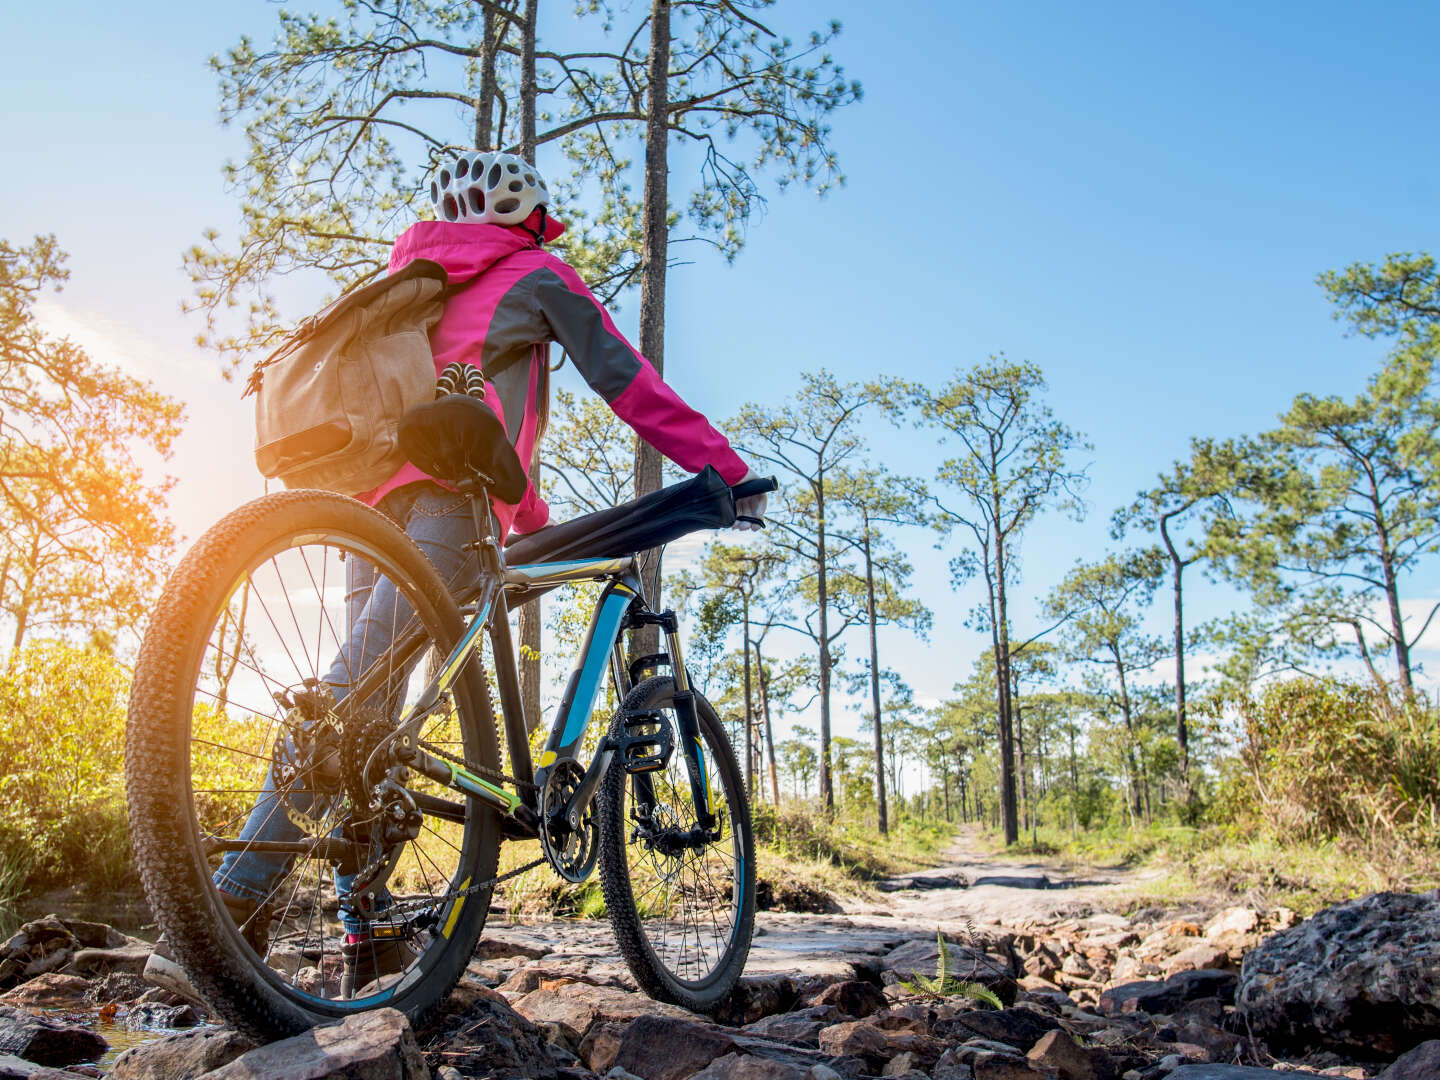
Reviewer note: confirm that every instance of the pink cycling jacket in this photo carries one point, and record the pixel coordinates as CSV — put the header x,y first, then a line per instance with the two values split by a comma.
x,y
522,298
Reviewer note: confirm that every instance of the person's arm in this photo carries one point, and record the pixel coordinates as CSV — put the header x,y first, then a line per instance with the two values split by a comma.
x,y
627,382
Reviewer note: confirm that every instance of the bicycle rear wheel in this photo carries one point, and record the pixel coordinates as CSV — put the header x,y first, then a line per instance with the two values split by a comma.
x,y
241,735
683,913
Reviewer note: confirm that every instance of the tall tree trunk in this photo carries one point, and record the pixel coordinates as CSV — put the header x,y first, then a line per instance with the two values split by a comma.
x,y
1136,766
749,710
485,104
1392,596
1182,733
875,683
530,628
1074,784
1000,631
822,584
1023,766
764,680
655,240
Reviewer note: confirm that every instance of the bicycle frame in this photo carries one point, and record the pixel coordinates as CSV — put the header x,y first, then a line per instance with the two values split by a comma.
x,y
621,605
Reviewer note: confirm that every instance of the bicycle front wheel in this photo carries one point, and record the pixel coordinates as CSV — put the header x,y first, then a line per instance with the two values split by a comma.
x,y
249,764
682,908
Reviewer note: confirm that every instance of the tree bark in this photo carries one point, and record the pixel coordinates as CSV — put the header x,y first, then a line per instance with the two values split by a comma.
x,y
749,711
1000,635
764,681
530,623
485,105
827,786
655,239
875,684
527,81
1182,733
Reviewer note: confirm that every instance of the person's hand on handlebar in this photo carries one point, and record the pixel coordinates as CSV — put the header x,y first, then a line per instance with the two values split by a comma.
x,y
751,506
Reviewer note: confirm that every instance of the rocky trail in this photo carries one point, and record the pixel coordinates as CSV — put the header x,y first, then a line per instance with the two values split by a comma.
x,y
1090,994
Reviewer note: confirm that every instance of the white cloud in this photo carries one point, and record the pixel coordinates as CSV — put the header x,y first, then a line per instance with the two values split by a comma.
x,y
108,341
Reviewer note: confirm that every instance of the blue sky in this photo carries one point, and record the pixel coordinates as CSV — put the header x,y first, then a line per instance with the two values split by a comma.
x,y
1136,197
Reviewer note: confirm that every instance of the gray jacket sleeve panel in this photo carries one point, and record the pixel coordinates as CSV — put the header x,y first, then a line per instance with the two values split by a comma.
x,y
513,385
515,326
577,321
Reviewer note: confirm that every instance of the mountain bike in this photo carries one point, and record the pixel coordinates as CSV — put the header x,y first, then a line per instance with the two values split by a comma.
x,y
384,800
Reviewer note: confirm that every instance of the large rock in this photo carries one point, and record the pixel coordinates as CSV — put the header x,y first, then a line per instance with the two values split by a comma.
x,y
1226,1072
129,958
1155,997
580,1006
663,1048
49,991
800,1028
852,997
479,1033
375,1045
739,1067
1421,1063
989,964
45,1041
755,998
14,1068
669,1048
181,1057
1361,976
1020,1028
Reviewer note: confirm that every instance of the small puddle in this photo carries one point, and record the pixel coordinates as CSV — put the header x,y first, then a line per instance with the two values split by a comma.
x,y
114,1031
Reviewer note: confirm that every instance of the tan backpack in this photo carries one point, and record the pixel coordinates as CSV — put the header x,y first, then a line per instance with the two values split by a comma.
x,y
329,400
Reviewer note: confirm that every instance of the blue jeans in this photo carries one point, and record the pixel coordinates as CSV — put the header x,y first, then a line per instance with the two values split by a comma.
x,y
441,524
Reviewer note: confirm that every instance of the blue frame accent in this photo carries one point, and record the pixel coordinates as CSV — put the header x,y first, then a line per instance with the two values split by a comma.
x,y
592,671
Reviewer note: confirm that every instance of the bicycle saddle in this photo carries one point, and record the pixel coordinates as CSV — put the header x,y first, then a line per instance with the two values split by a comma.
x,y
457,436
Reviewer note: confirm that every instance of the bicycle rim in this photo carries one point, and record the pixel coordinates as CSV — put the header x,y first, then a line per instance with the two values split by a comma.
x,y
692,906
262,688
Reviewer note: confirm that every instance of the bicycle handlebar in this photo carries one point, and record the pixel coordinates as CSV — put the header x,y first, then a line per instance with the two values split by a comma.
x,y
759,486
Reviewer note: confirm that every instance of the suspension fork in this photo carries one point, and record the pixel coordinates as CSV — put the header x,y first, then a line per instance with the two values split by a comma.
x,y
686,721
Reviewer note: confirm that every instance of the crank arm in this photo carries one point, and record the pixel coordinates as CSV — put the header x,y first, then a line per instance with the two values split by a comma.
x,y
580,800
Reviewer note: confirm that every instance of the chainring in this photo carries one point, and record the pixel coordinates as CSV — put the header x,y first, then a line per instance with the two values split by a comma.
x,y
571,851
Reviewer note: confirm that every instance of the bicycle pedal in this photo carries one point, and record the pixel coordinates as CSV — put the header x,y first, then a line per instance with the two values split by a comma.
x,y
645,744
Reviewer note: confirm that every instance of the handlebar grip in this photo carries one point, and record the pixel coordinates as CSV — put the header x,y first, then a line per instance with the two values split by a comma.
x,y
758,486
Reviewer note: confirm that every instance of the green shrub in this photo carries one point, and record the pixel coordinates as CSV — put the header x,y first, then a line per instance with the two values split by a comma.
x,y
62,736
1325,759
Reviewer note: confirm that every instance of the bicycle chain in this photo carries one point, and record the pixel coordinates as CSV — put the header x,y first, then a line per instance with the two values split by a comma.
x,y
420,905
482,770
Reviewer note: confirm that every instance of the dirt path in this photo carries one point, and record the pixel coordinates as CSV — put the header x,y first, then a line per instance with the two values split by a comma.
x,y
973,886
968,888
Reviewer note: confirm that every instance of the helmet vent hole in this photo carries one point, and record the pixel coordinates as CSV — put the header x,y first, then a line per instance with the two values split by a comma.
x,y
493,180
477,201
477,168
449,208
516,186
444,177
513,167
507,206
461,168
434,191
529,179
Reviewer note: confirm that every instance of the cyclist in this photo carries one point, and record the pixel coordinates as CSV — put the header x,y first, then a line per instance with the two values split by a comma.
x,y
492,225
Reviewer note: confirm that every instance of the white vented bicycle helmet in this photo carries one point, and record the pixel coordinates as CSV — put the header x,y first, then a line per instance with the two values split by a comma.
x,y
487,187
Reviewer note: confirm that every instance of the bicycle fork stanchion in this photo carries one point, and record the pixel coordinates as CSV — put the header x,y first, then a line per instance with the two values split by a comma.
x,y
687,726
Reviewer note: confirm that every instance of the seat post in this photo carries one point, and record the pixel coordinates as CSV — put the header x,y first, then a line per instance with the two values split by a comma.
x,y
480,508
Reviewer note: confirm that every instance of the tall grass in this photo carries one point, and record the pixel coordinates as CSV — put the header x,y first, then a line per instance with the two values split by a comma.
x,y
1331,760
